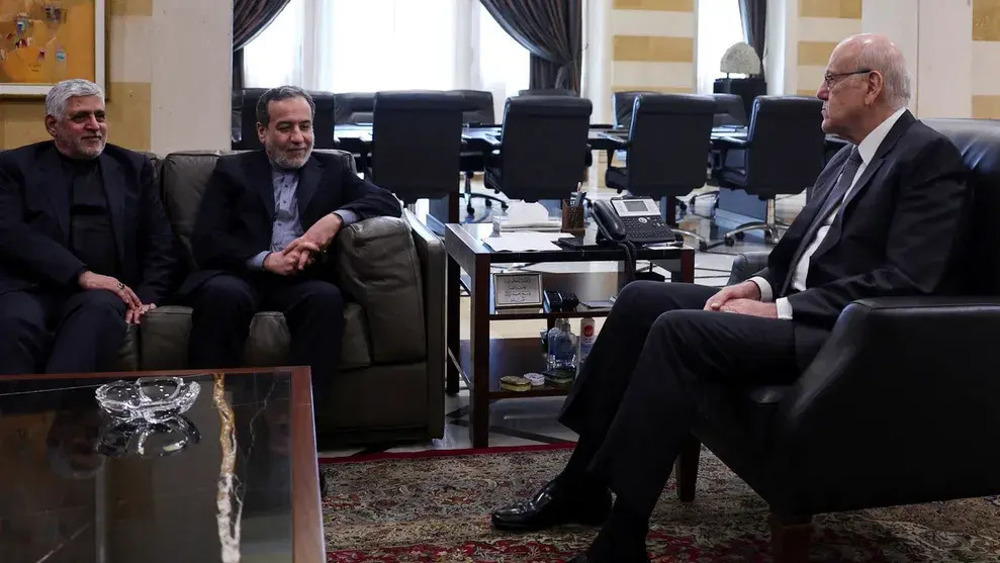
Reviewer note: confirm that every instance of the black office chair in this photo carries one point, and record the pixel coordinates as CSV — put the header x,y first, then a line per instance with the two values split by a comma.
x,y
246,102
668,138
729,111
477,110
548,92
783,153
416,141
622,104
354,107
729,114
543,147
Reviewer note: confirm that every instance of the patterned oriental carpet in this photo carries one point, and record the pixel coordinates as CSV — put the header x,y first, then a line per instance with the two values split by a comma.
x,y
434,506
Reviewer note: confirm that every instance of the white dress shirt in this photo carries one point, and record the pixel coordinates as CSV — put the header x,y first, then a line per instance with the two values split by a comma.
x,y
869,145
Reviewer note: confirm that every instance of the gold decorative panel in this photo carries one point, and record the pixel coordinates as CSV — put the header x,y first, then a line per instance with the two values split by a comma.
x,y
653,49
815,53
656,5
848,9
131,7
986,20
129,119
986,107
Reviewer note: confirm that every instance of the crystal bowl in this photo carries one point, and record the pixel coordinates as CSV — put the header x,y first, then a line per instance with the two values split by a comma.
x,y
139,438
153,399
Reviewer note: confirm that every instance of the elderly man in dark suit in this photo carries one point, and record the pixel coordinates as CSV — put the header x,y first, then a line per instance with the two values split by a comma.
x,y
887,219
85,246
265,222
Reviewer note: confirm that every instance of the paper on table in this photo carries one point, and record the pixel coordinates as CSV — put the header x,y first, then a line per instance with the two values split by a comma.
x,y
523,241
526,216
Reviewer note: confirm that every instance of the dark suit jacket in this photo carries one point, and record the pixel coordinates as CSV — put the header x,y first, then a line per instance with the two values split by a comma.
x,y
236,214
901,232
35,204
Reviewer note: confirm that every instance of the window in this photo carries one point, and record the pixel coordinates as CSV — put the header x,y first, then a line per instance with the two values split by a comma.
x,y
276,53
372,45
719,27
503,63
388,45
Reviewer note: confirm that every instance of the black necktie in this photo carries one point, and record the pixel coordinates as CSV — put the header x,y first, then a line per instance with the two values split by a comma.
x,y
833,198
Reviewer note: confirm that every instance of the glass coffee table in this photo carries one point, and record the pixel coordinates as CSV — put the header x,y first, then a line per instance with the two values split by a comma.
x,y
232,478
481,361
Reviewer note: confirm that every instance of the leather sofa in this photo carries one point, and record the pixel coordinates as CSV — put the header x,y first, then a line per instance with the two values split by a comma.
x,y
391,385
900,406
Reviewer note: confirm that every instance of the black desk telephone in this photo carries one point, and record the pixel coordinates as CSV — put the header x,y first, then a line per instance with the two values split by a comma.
x,y
633,219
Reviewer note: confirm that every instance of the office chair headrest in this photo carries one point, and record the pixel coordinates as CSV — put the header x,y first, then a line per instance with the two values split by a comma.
x,y
356,101
674,103
322,97
563,106
419,99
473,100
798,105
548,92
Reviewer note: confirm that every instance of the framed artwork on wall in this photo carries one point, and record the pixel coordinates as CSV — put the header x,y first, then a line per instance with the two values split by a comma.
x,y
45,41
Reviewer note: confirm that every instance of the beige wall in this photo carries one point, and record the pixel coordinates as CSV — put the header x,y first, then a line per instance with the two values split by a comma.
x,y
952,48
821,25
653,45
168,84
986,59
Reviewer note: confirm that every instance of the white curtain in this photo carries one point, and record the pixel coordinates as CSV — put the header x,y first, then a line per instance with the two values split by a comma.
x,y
372,45
277,52
719,27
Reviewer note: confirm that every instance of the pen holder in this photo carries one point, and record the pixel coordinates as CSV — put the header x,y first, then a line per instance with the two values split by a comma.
x,y
572,218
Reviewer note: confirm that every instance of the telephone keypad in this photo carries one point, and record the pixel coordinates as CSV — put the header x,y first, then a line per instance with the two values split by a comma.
x,y
647,229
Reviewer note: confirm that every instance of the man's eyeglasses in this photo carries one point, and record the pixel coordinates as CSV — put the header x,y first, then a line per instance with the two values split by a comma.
x,y
830,78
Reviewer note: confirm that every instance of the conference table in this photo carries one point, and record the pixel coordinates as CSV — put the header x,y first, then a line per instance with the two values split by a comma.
x,y
357,138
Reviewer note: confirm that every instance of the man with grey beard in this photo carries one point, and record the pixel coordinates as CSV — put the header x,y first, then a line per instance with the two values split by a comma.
x,y
85,246
265,222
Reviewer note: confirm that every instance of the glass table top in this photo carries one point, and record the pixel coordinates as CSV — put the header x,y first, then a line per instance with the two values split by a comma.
x,y
213,484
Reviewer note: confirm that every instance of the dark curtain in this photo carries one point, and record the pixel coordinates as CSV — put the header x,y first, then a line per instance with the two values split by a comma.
x,y
753,13
552,31
250,17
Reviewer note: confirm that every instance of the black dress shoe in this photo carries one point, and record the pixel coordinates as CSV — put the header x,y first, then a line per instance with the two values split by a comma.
x,y
554,505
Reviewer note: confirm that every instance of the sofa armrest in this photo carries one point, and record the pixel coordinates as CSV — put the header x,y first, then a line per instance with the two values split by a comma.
x,y
433,259
378,267
746,265
901,402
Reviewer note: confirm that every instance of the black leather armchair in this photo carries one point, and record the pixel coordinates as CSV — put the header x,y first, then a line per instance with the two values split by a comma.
x,y
783,153
900,405
666,145
542,147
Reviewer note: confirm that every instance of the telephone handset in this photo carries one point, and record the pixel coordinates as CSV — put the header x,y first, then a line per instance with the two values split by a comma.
x,y
634,219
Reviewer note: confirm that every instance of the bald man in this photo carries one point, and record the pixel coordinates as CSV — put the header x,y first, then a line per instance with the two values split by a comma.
x,y
887,219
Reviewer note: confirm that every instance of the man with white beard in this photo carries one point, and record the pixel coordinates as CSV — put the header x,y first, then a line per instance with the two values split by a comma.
x,y
85,246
